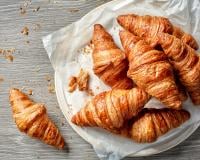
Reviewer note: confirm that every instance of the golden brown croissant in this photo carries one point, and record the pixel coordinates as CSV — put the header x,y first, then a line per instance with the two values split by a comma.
x,y
186,63
185,37
110,109
150,70
149,26
32,119
109,61
153,123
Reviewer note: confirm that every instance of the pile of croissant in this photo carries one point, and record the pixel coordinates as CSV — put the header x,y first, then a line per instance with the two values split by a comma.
x,y
159,60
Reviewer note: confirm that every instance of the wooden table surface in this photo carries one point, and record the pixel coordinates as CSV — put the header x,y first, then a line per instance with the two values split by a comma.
x,y
30,69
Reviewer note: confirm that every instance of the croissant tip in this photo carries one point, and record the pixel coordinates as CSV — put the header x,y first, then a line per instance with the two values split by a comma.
x,y
120,19
98,27
73,120
61,145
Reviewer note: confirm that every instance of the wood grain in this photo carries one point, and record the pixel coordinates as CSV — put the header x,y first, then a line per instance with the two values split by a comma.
x,y
29,69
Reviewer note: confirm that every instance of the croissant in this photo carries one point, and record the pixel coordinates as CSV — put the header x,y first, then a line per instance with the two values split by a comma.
x,y
153,123
149,26
110,109
150,70
186,63
109,61
185,37
32,119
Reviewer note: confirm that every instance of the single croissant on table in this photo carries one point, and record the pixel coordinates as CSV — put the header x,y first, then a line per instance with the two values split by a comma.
x,y
110,63
153,123
150,70
149,26
111,109
31,118
186,63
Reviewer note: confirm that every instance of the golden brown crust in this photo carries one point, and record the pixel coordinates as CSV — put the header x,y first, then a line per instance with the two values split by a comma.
x,y
110,109
149,26
151,71
109,61
185,37
186,63
153,123
31,118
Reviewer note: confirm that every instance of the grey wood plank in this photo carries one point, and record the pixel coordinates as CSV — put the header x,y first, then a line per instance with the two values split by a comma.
x,y
23,72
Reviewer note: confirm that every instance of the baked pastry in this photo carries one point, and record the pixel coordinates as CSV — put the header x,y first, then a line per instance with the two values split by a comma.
x,y
110,63
150,70
153,123
110,109
186,63
149,26
32,119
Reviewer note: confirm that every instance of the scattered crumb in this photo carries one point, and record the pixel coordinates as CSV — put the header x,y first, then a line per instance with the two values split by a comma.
x,y
27,42
1,79
74,10
48,78
88,49
97,87
30,92
36,9
8,53
51,88
62,124
25,31
82,80
9,57
22,10
72,84
90,92
36,27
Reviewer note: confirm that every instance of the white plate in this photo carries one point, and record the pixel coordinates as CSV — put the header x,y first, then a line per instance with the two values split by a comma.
x,y
154,149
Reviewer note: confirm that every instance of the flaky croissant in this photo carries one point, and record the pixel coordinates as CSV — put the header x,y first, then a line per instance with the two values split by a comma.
x,y
110,109
109,61
153,123
150,70
186,63
149,26
31,118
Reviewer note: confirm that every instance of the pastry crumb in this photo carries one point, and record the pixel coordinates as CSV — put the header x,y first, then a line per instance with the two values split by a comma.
x,y
72,84
9,57
22,10
83,80
97,87
73,10
7,53
27,42
90,92
48,78
36,27
30,92
88,49
36,9
25,31
51,88
1,79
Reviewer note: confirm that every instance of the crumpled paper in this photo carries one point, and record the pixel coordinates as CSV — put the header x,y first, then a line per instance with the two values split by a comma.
x,y
64,50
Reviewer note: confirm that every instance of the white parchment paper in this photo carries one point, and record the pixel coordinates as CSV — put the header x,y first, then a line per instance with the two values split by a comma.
x,y
63,48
